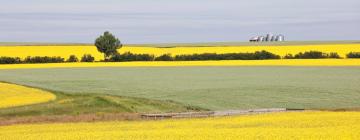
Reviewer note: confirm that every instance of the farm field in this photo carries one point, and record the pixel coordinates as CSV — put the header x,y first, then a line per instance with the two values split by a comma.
x,y
110,94
84,107
15,95
66,51
214,88
179,70
293,125
224,44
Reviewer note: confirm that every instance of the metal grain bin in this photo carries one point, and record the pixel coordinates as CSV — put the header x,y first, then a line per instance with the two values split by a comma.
x,y
280,38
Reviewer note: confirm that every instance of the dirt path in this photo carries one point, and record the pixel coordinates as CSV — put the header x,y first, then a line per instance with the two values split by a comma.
x,y
216,113
133,116
69,118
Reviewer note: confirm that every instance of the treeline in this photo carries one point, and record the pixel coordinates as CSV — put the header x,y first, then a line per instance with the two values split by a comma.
x,y
130,57
9,60
45,59
312,55
258,55
353,55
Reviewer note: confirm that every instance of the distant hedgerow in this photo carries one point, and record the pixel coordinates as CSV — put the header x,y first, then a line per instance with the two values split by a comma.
x,y
72,58
9,60
43,59
312,55
131,57
353,55
164,57
87,58
258,55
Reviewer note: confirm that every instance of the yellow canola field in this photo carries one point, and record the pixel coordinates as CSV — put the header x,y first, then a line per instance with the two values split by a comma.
x,y
342,50
14,95
279,62
66,51
62,51
294,125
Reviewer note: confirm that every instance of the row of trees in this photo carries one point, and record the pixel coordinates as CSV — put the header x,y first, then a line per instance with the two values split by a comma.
x,y
353,55
45,59
109,45
259,55
312,55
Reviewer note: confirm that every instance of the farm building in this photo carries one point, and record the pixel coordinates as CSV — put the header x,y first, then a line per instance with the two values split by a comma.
x,y
267,38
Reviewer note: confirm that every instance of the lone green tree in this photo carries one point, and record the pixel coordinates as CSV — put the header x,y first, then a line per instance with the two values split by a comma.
x,y
108,44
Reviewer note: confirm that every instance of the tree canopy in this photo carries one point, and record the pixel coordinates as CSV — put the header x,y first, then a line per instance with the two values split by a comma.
x,y
108,44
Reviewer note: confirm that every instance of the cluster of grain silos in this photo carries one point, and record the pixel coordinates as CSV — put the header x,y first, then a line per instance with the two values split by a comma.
x,y
267,38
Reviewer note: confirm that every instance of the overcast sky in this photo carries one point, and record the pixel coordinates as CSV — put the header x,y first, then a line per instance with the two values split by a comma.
x,y
160,21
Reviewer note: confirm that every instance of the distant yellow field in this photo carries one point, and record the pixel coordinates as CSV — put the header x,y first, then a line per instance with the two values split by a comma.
x,y
66,51
342,50
295,125
14,95
278,62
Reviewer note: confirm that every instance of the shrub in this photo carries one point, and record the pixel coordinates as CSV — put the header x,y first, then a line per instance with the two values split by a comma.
x,y
43,59
131,57
9,60
310,55
72,58
114,58
265,55
87,58
195,57
334,55
353,55
289,56
314,55
164,57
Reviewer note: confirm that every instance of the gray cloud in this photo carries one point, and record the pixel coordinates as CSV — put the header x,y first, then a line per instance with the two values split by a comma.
x,y
141,21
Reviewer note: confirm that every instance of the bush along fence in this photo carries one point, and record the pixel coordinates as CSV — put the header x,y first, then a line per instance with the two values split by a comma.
x,y
127,56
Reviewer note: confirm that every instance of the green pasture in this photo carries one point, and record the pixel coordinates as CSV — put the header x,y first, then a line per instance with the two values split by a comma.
x,y
77,104
214,88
